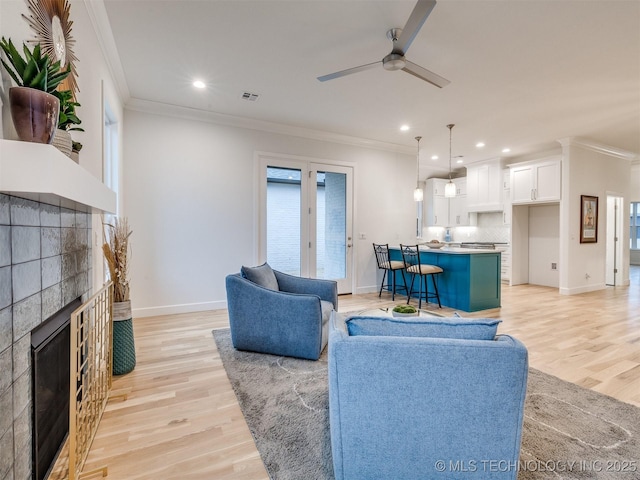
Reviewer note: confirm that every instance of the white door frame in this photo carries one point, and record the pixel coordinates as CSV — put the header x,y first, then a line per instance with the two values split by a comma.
x,y
613,272
308,191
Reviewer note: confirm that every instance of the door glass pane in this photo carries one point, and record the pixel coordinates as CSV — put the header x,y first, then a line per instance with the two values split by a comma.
x,y
283,219
634,225
331,225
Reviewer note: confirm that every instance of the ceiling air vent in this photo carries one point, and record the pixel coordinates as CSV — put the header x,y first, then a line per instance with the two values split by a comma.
x,y
252,97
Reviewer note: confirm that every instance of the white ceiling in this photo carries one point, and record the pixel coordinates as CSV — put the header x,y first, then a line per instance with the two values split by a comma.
x,y
523,73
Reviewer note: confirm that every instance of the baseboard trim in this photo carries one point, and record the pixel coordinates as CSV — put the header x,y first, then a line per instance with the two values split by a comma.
x,y
583,289
369,289
175,309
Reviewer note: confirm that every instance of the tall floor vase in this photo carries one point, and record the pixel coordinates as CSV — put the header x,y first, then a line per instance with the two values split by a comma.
x,y
124,348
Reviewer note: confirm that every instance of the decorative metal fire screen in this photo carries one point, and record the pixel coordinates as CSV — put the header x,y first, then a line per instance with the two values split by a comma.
x,y
91,361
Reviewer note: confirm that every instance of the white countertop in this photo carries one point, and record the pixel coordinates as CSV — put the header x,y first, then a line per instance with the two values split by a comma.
x,y
451,250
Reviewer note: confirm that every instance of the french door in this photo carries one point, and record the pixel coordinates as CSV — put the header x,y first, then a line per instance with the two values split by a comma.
x,y
306,218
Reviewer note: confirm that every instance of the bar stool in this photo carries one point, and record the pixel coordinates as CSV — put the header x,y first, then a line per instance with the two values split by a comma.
x,y
411,258
385,263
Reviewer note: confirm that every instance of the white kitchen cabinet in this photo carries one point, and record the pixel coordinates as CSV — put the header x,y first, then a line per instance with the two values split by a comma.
x,y
437,185
535,182
446,212
437,211
505,262
506,198
484,186
459,214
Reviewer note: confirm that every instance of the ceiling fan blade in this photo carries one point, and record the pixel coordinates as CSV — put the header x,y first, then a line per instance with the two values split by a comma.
x,y
348,71
426,75
417,18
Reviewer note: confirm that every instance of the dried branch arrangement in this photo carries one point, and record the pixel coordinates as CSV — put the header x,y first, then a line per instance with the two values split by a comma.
x,y
116,254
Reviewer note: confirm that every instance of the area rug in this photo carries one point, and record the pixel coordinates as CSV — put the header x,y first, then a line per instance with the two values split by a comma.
x,y
569,432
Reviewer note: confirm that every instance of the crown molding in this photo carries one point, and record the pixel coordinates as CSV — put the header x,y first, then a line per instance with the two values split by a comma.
x,y
100,21
156,108
598,147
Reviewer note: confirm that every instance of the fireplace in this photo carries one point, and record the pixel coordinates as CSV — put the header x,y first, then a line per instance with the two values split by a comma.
x,y
50,350
45,264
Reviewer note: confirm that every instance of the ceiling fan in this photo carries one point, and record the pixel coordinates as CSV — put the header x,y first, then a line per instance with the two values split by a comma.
x,y
402,39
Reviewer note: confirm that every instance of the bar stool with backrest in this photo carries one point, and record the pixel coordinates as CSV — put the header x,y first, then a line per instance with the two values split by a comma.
x,y
412,264
385,263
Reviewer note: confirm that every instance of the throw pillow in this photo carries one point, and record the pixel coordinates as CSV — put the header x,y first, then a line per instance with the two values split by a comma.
x,y
262,275
460,328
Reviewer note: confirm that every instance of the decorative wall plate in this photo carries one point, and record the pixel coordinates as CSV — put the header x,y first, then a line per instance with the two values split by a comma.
x,y
49,19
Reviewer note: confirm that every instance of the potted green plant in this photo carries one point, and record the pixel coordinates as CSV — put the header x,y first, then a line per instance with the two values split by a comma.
x,y
404,311
34,110
75,151
116,254
67,122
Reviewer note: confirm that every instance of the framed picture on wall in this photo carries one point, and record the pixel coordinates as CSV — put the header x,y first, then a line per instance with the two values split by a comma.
x,y
588,219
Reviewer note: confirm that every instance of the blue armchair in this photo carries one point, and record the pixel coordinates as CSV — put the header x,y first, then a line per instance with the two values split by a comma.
x,y
290,316
404,404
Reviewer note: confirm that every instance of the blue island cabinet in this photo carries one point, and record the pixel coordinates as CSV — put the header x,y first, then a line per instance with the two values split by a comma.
x,y
470,280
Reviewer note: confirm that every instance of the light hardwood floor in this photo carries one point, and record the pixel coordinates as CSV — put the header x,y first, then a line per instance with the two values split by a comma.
x,y
181,419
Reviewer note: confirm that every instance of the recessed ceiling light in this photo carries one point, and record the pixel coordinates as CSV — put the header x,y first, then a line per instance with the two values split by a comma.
x,y
480,144
506,150
404,128
459,161
434,157
199,84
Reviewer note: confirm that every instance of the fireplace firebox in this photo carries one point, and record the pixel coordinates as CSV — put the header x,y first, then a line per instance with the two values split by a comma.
x,y
50,355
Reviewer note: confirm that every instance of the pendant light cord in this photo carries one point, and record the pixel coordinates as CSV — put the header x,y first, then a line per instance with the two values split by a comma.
x,y
418,164
450,127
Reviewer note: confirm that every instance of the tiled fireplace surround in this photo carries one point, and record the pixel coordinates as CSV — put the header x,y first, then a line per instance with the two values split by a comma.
x,y
45,262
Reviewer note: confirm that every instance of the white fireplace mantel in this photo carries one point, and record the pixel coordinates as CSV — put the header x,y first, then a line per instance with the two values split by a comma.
x,y
42,173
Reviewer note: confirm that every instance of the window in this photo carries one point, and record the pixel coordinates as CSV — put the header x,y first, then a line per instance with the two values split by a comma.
x,y
111,162
634,225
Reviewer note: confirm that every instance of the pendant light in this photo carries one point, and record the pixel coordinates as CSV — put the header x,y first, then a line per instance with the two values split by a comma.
x,y
417,193
450,188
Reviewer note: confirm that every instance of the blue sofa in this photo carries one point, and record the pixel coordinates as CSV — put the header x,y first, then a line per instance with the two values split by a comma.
x,y
289,317
425,399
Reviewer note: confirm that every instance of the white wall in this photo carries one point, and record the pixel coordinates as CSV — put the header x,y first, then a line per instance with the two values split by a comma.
x,y
590,171
634,193
191,200
94,81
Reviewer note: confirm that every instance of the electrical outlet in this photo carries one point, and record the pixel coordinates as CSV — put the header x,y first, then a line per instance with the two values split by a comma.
x,y
554,266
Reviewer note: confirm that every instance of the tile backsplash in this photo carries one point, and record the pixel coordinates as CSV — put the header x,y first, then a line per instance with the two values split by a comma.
x,y
489,228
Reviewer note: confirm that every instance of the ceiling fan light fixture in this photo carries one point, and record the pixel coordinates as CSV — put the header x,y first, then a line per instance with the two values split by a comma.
x,y
394,61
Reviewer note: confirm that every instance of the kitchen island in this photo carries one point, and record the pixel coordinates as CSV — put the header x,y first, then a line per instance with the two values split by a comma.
x,y
470,280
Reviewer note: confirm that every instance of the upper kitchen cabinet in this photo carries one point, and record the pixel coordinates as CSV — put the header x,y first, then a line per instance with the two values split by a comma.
x,y
535,182
484,186
435,186
446,212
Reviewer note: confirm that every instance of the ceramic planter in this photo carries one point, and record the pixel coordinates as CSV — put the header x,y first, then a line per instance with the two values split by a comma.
x,y
400,315
62,141
34,114
124,348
